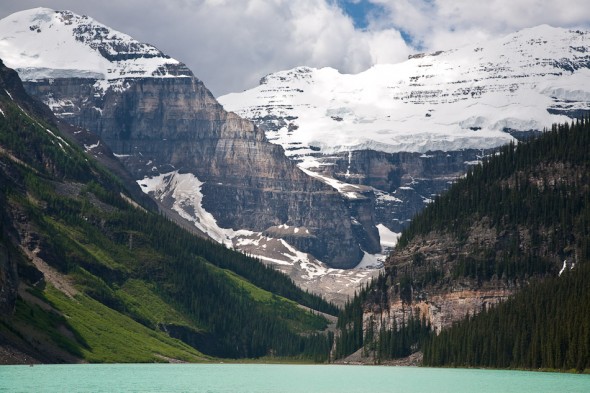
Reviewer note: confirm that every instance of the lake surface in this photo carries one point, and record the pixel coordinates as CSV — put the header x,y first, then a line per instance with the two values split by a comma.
x,y
257,378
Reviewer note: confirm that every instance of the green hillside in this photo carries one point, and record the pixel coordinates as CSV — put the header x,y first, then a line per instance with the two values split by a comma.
x,y
529,208
88,275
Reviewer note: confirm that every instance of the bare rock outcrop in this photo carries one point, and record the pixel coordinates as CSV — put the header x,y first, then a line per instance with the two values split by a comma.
x,y
158,125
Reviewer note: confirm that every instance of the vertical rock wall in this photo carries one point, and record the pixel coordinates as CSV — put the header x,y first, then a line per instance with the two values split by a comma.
x,y
157,125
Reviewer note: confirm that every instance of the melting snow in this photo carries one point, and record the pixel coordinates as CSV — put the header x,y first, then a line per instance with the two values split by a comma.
x,y
90,147
348,191
388,237
371,261
56,136
564,267
185,192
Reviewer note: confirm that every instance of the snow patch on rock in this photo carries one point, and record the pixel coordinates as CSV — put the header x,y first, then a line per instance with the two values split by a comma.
x,y
184,190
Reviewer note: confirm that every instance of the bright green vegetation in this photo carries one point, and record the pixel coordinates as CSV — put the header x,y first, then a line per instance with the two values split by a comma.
x,y
536,198
109,336
145,305
47,322
284,309
147,289
87,329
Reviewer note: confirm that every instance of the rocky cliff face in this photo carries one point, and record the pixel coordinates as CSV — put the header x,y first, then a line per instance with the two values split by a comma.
x,y
160,125
409,129
423,282
398,185
158,118
440,308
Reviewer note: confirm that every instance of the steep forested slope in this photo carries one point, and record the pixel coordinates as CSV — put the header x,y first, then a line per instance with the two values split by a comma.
x,y
522,217
88,274
546,325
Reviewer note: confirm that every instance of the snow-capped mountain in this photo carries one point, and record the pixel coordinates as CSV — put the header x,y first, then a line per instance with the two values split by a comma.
x,y
218,172
42,43
407,130
472,97
208,169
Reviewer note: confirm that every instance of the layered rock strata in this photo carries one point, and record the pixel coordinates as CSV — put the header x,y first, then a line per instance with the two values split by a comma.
x,y
158,118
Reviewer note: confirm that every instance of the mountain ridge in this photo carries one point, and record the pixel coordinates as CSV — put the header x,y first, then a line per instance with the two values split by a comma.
x,y
97,52
406,131
157,123
393,100
500,237
89,275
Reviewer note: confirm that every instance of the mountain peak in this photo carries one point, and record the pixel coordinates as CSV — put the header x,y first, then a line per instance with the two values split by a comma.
x,y
476,96
541,30
301,73
43,43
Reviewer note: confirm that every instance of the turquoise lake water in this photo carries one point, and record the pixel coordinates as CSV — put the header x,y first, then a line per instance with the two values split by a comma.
x,y
255,378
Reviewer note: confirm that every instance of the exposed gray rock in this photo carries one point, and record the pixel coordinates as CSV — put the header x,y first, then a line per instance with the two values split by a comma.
x,y
156,125
398,185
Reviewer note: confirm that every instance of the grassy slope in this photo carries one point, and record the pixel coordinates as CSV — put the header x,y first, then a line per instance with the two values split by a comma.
x,y
124,300
113,337
298,318
87,329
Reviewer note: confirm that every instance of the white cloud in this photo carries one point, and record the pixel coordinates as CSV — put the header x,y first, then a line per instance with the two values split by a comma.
x,y
231,44
387,46
249,39
442,24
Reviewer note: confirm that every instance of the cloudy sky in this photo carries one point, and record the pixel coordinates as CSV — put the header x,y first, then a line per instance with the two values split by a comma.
x,y
231,44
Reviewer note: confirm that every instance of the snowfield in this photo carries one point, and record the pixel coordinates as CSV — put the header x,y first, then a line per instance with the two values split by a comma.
x,y
50,44
471,97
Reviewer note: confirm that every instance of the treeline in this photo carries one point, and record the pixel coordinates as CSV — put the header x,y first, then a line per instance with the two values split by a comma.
x,y
398,341
237,325
536,196
545,326
498,190
87,230
380,341
537,189
243,327
170,238
350,326
353,335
